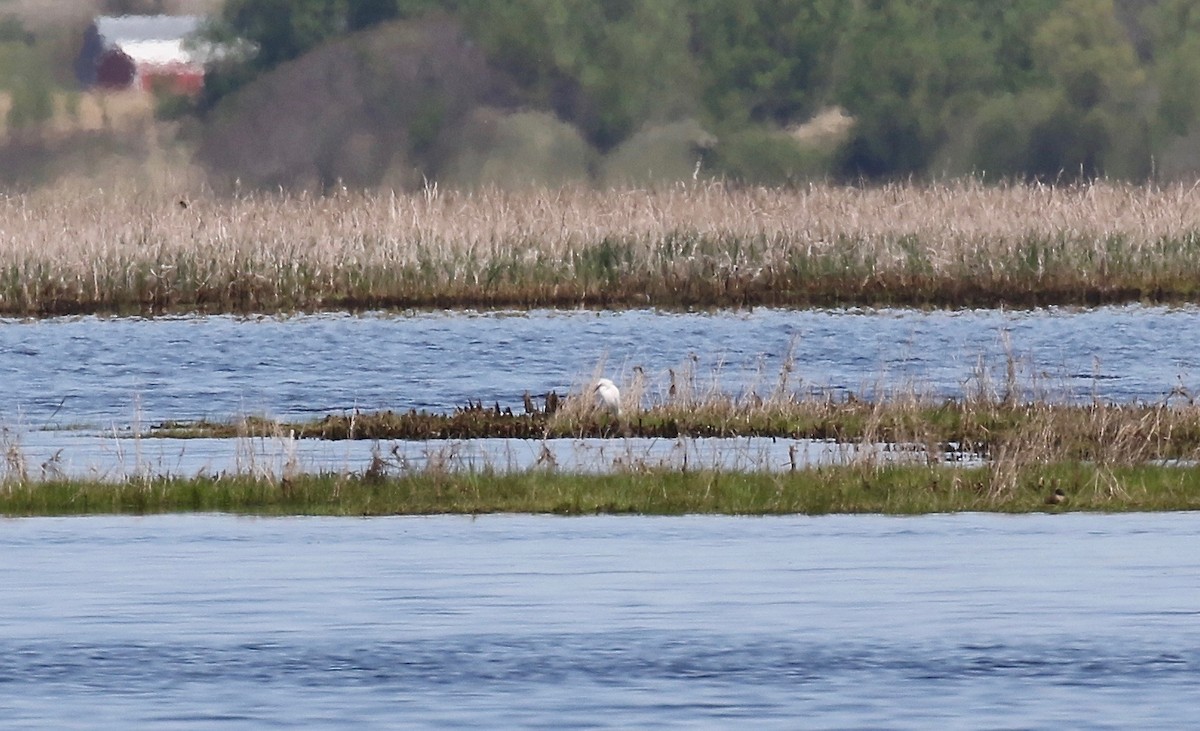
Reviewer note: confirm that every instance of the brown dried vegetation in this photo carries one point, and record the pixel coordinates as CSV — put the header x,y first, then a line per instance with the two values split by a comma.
x,y
960,244
1012,438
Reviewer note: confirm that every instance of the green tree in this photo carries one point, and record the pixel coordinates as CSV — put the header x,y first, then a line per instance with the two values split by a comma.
x,y
26,74
1098,127
902,68
1085,51
1020,88
1174,30
132,7
32,103
764,60
607,67
12,30
1079,114
283,29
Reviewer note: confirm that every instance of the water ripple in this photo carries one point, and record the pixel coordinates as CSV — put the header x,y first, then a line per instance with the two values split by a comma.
x,y
541,622
601,658
98,372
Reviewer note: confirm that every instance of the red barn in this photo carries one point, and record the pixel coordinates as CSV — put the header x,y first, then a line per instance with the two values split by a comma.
x,y
147,52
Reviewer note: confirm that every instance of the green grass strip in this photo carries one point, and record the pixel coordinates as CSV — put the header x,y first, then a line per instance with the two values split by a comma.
x,y
901,490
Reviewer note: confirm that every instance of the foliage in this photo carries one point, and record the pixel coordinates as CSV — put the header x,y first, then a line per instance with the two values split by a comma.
x,y
133,7
367,108
757,153
606,67
910,73
1174,31
658,154
13,30
26,75
1044,89
513,151
765,60
284,29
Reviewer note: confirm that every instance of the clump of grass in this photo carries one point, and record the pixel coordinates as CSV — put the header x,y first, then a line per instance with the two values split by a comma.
x,y
15,466
958,244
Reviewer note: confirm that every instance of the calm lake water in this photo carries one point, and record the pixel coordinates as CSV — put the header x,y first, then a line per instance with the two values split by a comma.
x,y
844,622
97,373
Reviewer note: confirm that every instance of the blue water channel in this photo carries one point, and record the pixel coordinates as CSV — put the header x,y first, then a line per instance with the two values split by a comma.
x,y
843,622
94,373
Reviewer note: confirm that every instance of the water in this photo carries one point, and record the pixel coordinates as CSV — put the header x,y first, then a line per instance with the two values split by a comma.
x,y
965,621
75,388
82,455
99,373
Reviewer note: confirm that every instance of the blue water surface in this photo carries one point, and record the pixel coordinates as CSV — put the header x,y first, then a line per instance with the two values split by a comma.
x,y
97,373
964,621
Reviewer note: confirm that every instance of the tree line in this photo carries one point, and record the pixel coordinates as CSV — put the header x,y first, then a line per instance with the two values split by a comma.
x,y
1020,89
1024,89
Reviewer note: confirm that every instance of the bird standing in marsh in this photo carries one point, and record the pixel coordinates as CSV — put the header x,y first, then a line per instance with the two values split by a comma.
x,y
608,396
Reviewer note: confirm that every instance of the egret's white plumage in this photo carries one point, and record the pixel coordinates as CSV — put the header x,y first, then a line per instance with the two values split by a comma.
x,y
609,396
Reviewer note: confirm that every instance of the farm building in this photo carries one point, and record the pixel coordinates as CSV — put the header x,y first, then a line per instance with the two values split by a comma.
x,y
146,52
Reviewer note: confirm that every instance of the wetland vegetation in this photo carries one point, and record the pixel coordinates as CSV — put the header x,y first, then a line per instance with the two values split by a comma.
x,y
1041,431
907,454
701,245
955,244
908,489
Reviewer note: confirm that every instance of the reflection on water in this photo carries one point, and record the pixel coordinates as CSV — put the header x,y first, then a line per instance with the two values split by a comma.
x,y
97,372
966,621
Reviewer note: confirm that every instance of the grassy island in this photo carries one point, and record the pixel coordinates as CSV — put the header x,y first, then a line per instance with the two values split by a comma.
x,y
897,490
973,454
1045,431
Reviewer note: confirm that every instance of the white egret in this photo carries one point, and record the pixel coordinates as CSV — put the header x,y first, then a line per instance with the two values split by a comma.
x,y
609,396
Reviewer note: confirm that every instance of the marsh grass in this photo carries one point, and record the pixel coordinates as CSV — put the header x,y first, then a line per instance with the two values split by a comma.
x,y
911,489
1024,455
1009,442
999,428
77,250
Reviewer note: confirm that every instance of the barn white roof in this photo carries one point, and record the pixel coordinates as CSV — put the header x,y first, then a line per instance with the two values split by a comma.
x,y
122,29
159,40
157,53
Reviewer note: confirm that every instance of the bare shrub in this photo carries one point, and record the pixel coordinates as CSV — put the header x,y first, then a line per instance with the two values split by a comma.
x,y
659,154
516,151
348,110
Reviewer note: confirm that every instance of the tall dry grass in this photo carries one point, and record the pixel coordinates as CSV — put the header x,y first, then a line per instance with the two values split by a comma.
x,y
1008,426
75,249
999,447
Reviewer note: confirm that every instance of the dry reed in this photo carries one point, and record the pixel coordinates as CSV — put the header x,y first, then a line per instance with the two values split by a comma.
x,y
1009,434
73,250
